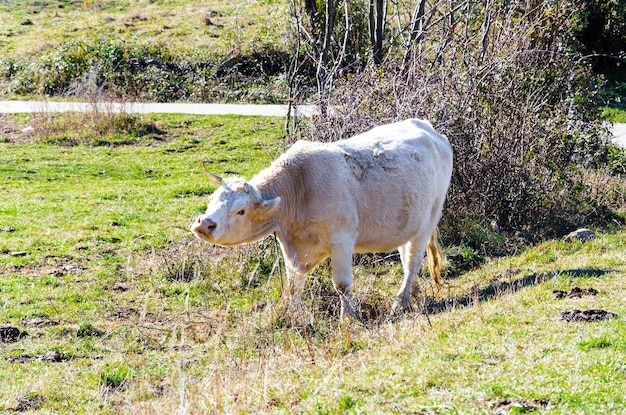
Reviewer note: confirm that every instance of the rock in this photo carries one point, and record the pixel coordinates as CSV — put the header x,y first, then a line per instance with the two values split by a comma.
x,y
50,357
519,405
40,322
582,234
26,22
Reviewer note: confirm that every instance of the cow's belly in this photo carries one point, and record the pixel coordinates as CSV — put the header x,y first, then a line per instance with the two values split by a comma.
x,y
382,242
377,246
387,236
389,221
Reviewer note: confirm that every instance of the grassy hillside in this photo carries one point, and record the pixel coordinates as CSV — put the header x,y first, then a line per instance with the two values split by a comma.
x,y
123,312
214,27
160,51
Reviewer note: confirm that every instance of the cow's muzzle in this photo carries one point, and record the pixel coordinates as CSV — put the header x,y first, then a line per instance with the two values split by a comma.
x,y
204,227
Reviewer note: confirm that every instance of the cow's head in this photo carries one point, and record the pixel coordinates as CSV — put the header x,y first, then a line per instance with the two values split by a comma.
x,y
237,213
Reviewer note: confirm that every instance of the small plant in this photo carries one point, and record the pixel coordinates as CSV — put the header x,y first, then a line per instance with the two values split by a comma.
x,y
88,330
183,262
30,402
115,377
616,160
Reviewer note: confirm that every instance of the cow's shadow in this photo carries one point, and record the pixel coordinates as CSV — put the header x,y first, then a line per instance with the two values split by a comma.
x,y
376,310
498,286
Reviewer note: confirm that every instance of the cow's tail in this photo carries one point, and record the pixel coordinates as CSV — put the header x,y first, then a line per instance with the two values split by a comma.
x,y
436,260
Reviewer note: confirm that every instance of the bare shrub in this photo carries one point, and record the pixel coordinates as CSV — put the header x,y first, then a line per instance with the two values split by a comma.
x,y
502,81
101,126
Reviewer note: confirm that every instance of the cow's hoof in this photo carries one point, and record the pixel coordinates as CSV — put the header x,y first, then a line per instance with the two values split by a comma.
x,y
348,314
350,308
400,306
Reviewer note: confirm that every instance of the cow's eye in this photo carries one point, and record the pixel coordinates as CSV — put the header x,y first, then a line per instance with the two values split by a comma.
x,y
241,212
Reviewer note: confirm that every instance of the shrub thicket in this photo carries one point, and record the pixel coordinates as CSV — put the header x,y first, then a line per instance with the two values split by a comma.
x,y
150,71
503,81
602,37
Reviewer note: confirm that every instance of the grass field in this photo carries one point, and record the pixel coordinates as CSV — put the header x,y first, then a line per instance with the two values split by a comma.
x,y
126,313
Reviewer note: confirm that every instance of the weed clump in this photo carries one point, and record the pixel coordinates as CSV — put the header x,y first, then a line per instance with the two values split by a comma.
x,y
88,330
100,127
31,401
116,377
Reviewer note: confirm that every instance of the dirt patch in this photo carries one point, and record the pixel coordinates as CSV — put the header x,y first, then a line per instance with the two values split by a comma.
x,y
131,313
587,315
50,357
120,287
40,322
11,334
52,270
126,313
575,292
13,132
519,406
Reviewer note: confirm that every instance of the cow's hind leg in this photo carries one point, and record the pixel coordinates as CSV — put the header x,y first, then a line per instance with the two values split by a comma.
x,y
341,262
411,255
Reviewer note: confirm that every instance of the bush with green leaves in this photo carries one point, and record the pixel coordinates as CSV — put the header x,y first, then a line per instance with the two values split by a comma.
x,y
114,67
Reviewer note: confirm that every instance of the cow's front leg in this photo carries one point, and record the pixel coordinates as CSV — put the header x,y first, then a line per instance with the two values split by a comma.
x,y
291,311
341,262
291,299
292,291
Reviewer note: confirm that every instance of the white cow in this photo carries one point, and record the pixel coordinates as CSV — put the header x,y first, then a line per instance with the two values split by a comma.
x,y
376,192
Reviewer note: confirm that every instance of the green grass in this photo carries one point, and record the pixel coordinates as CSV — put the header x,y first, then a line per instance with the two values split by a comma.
x,y
147,320
84,198
614,114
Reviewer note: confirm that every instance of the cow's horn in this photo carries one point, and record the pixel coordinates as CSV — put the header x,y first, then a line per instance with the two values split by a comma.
x,y
213,177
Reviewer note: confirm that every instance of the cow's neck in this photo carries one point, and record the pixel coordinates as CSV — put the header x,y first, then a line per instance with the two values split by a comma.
x,y
285,217
279,182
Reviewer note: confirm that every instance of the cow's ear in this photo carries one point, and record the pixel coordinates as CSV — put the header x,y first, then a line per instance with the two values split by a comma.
x,y
271,204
